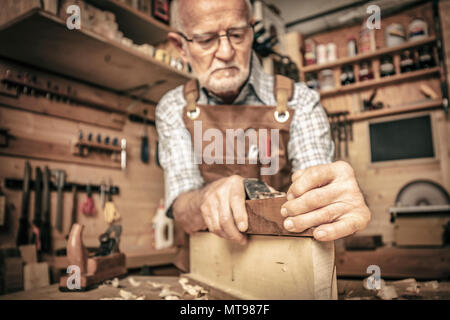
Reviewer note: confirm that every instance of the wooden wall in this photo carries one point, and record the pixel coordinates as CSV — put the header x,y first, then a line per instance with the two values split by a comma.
x,y
381,183
141,185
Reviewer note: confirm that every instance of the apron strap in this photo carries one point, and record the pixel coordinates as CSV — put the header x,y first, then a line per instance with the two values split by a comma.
x,y
283,90
191,95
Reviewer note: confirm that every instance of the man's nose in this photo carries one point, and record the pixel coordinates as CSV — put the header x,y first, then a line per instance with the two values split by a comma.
x,y
225,51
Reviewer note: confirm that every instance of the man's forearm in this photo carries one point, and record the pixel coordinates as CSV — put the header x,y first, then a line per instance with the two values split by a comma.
x,y
186,210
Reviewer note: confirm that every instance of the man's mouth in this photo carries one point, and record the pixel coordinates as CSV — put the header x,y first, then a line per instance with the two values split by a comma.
x,y
227,71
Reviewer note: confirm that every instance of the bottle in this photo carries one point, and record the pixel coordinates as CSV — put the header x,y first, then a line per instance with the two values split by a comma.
x,y
366,39
426,59
352,48
310,52
331,52
365,72
321,54
395,35
386,67
407,61
162,229
417,30
347,75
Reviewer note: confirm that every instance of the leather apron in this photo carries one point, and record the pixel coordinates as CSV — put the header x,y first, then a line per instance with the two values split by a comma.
x,y
263,119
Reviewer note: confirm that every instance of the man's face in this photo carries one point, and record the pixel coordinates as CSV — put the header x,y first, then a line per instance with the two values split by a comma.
x,y
223,68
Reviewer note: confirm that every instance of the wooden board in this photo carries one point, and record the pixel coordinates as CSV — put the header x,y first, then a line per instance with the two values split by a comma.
x,y
396,263
28,253
264,218
36,275
268,267
85,55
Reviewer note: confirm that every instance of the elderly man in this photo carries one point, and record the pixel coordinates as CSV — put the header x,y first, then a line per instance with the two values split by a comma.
x,y
215,38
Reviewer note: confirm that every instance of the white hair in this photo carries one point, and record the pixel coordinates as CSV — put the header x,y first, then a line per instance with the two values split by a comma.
x,y
176,23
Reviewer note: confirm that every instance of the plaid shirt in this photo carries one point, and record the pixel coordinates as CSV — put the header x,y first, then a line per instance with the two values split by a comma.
x,y
309,144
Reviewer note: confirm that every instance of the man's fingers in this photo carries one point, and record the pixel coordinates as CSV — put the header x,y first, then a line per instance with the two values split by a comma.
x,y
310,201
339,229
312,178
297,174
227,222
312,219
237,203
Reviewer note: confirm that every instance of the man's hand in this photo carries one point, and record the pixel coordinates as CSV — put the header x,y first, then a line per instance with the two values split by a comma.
x,y
327,197
223,208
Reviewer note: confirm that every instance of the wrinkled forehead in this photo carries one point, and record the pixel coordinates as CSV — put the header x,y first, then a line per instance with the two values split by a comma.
x,y
200,16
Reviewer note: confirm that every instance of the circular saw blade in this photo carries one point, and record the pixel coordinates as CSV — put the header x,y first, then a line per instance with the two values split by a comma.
x,y
422,192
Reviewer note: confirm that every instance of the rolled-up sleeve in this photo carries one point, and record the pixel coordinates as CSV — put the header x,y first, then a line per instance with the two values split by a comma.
x,y
181,174
310,142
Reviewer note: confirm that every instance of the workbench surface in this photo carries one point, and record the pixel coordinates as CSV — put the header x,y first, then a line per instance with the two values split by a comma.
x,y
348,290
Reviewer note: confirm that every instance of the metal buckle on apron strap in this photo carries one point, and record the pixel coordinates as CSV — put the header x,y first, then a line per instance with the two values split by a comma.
x,y
281,113
193,114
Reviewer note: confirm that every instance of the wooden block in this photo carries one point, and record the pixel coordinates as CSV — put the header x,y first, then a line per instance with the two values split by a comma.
x,y
28,253
264,218
266,268
13,274
36,275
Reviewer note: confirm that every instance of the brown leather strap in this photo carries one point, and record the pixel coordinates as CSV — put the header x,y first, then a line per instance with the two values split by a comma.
x,y
283,90
191,95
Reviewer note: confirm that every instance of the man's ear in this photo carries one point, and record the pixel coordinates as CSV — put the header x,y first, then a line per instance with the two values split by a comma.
x,y
177,42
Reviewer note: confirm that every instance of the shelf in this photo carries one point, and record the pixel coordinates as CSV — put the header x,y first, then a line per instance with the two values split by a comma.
x,y
365,56
375,83
135,24
41,39
432,104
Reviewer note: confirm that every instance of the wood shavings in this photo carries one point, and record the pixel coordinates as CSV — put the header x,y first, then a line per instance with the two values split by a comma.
x,y
133,282
171,298
110,283
165,292
196,291
387,293
157,285
431,284
127,295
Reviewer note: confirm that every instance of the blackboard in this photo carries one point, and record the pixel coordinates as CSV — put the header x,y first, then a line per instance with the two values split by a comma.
x,y
409,138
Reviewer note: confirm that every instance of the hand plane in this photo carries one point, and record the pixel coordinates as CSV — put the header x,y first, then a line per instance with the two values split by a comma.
x,y
93,270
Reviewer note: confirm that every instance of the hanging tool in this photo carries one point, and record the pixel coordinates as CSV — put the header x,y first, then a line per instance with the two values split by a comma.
x,y
2,208
36,237
103,195
111,213
144,142
74,205
123,154
46,236
157,154
22,235
88,206
60,176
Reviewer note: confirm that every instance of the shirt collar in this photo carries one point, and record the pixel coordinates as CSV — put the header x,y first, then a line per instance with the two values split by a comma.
x,y
258,84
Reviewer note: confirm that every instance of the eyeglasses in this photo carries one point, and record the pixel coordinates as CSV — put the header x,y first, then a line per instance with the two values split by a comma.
x,y
207,41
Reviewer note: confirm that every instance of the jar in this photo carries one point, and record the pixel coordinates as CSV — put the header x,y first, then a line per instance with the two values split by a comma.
x,y
395,35
327,79
310,52
386,67
407,61
321,54
365,71
312,82
347,75
331,52
417,30
426,59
